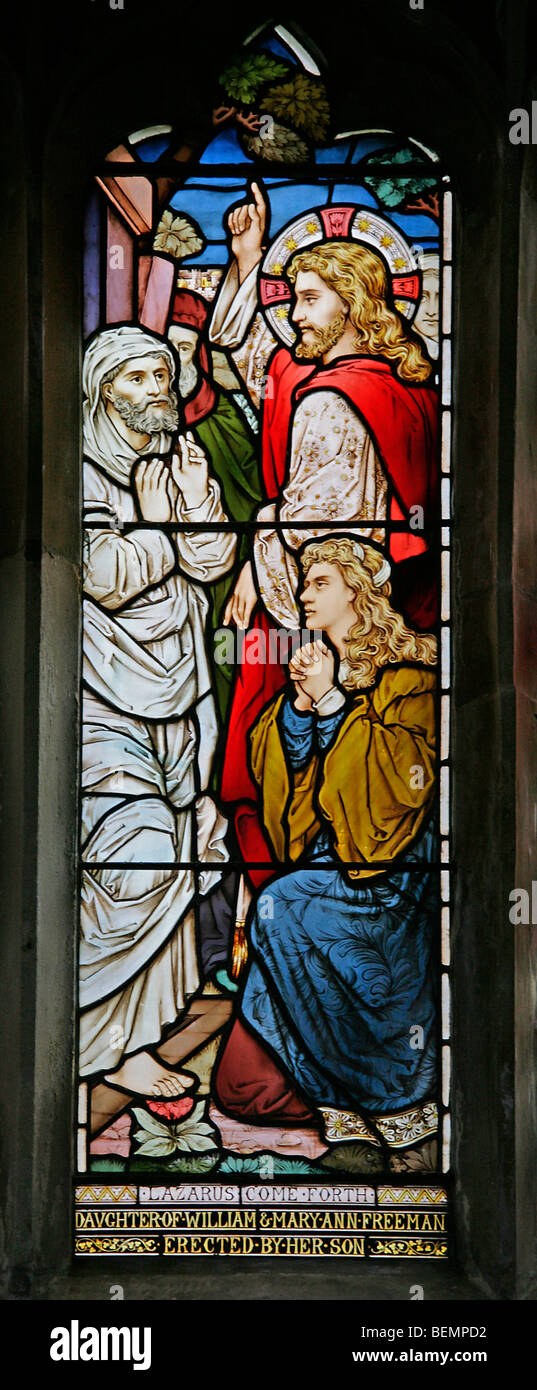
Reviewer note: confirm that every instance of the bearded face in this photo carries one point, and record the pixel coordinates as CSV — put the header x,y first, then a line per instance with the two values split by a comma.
x,y
140,394
186,342
161,414
320,315
316,341
188,379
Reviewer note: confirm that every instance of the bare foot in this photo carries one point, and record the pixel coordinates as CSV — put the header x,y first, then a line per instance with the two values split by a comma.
x,y
144,1076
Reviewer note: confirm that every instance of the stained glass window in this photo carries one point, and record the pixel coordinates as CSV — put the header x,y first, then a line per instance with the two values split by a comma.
x,y
264,1024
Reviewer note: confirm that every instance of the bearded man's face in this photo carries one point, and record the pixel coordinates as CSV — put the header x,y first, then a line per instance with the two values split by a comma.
x,y
320,315
141,394
185,341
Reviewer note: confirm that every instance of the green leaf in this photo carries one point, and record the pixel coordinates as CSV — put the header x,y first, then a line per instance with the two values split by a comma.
x,y
402,156
200,1128
392,192
303,103
194,1163
156,1148
354,1158
176,1163
282,144
257,1163
194,1134
151,1123
232,1164
196,1116
294,1165
194,1142
194,1121
243,78
107,1163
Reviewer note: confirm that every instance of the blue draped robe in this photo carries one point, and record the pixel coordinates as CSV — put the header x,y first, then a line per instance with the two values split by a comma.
x,y
342,972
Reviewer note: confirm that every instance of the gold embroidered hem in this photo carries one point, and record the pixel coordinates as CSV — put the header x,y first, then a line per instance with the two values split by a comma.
x,y
398,1131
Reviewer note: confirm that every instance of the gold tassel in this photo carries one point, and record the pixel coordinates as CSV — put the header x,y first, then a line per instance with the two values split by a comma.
x,y
240,950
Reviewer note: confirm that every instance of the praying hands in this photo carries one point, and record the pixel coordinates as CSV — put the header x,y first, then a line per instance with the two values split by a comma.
x,y
159,485
312,672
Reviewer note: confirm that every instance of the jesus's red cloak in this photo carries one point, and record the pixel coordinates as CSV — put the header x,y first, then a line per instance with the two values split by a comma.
x,y
402,422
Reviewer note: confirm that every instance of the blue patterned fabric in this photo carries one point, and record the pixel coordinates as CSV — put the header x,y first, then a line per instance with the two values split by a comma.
x,y
304,734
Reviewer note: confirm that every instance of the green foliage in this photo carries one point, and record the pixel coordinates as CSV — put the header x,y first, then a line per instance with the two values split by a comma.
x,y
259,1164
194,1164
393,192
242,79
403,156
303,103
107,1163
231,1164
353,1158
280,144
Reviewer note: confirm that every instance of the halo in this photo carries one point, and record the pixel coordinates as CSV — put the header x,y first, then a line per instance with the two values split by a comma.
x,y
349,223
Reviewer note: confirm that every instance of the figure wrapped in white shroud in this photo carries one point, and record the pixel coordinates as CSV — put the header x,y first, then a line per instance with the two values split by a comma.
x,y
149,722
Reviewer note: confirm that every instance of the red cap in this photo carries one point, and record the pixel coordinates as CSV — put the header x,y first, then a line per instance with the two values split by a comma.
x,y
189,309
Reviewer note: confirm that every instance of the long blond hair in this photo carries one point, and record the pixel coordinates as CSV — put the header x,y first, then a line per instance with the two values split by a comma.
x,y
380,637
359,276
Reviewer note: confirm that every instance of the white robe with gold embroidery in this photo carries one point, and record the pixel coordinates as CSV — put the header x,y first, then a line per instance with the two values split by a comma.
x,y
333,468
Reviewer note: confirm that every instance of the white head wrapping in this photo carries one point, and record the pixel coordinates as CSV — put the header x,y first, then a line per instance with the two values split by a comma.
x,y
382,574
102,442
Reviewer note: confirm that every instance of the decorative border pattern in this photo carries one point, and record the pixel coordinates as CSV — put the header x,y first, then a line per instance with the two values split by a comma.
x,y
399,1131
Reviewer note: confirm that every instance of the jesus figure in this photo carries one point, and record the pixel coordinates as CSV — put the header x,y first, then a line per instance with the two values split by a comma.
x,y
349,436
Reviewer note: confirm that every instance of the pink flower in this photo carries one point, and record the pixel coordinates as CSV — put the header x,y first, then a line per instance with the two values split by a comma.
x,y
171,1109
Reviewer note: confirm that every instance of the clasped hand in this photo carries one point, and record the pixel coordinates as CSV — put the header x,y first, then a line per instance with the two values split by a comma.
x,y
159,485
312,672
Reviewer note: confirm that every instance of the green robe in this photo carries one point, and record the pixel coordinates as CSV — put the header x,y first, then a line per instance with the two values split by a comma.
x,y
231,449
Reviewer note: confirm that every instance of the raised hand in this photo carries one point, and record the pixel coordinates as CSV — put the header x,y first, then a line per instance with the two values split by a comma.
x,y
247,226
241,604
190,472
151,479
312,670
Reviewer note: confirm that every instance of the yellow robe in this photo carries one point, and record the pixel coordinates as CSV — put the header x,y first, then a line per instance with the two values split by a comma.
x,y
375,786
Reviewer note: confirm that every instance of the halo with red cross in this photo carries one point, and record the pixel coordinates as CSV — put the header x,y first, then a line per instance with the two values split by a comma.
x,y
327,224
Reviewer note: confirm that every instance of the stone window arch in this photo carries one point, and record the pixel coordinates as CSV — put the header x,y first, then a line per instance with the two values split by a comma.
x,y
485,176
